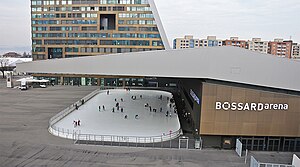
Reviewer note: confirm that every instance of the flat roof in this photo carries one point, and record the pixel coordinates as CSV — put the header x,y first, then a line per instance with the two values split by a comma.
x,y
219,63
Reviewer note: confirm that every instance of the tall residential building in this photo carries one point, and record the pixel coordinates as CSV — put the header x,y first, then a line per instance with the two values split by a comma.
x,y
295,51
234,41
73,28
280,48
258,45
189,42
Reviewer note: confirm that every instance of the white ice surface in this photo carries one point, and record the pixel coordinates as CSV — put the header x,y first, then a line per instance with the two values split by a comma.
x,y
148,124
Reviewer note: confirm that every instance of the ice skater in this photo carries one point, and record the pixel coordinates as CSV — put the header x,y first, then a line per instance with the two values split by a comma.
x,y
141,96
122,100
115,100
107,92
99,108
125,117
167,113
118,108
78,122
150,108
113,109
136,116
146,105
103,108
122,109
160,109
75,123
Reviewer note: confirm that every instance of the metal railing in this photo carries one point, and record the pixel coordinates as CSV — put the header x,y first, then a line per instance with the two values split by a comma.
x,y
255,163
131,139
61,132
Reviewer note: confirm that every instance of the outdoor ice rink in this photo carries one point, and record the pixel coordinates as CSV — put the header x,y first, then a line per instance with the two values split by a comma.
x,y
108,123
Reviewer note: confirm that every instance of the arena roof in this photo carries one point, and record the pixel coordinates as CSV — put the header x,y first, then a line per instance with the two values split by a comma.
x,y
230,64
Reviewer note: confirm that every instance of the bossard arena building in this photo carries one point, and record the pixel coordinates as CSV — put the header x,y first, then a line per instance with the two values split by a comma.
x,y
228,92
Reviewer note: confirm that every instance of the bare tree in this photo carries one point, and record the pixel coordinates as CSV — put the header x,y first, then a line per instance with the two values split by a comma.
x,y
3,66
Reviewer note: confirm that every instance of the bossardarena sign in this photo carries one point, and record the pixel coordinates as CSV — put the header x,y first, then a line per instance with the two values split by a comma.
x,y
234,106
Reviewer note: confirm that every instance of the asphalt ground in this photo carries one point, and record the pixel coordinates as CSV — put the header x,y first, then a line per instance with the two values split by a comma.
x,y
25,141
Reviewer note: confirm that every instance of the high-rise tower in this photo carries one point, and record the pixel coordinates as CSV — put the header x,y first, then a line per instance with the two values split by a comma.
x,y
73,28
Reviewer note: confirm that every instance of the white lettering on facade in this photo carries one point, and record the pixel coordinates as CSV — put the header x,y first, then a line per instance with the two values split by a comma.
x,y
250,106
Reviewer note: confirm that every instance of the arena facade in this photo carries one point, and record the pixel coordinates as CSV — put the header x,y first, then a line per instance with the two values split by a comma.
x,y
228,92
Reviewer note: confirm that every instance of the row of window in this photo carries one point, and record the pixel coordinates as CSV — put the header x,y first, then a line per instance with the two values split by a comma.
x,y
34,22
91,28
141,22
102,42
94,35
70,2
130,42
83,9
64,15
96,50
135,15
77,9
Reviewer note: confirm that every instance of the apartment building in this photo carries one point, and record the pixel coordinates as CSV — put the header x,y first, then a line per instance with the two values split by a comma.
x,y
190,42
280,48
295,51
74,28
234,41
257,45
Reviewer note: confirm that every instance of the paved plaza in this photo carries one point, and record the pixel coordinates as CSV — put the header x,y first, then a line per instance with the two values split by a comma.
x,y
25,140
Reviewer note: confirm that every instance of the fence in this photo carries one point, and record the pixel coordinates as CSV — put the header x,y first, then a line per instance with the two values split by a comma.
x,y
130,139
61,132
170,144
255,163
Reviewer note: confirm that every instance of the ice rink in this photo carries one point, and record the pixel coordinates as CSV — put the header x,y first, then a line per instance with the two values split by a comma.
x,y
140,121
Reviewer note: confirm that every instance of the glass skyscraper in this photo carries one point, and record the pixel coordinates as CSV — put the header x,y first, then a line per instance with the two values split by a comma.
x,y
74,28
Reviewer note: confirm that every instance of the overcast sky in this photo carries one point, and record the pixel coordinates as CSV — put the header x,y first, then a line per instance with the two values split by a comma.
x,y
246,19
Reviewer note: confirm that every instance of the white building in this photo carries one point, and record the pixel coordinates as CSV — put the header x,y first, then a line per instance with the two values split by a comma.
x,y
189,42
258,45
295,51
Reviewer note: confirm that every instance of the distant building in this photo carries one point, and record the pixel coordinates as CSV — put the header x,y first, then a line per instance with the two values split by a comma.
x,y
210,41
12,55
189,42
295,51
183,43
257,45
234,41
280,48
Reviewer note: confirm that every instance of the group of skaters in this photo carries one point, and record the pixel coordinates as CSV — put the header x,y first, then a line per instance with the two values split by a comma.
x,y
168,113
76,123
117,105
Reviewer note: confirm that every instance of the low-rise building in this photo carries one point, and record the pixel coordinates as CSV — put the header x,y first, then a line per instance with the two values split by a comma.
x,y
190,42
258,45
280,48
295,51
234,41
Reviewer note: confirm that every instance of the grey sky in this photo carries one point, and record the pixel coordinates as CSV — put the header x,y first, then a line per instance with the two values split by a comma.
x,y
267,19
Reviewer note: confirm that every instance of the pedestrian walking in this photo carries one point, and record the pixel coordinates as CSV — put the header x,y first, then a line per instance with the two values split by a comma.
x,y
122,109
107,92
160,109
